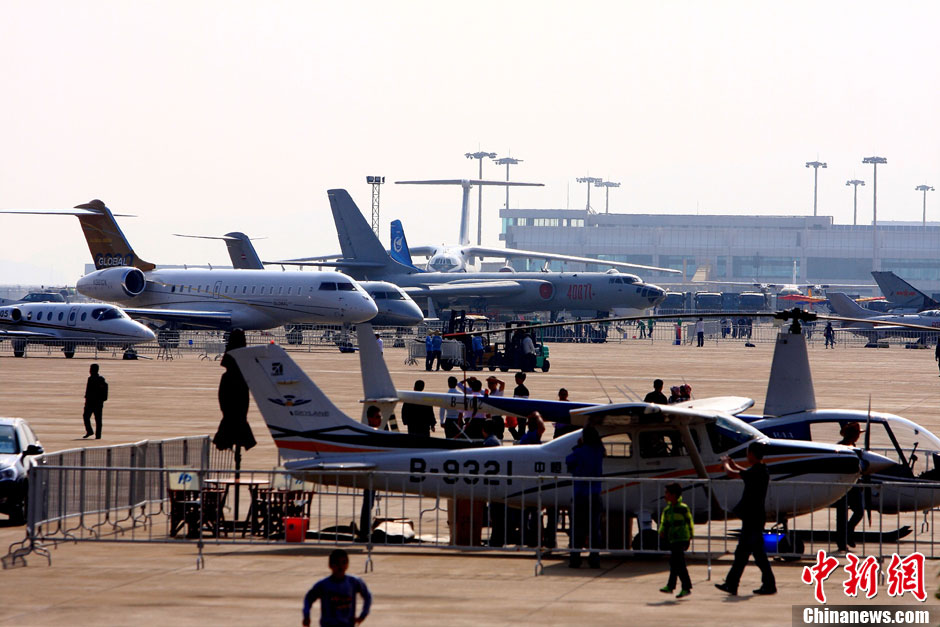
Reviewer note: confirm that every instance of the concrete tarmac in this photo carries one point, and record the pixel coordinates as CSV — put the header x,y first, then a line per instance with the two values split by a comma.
x,y
120,584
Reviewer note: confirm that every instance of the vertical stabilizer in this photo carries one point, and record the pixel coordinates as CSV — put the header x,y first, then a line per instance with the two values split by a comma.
x,y
790,389
293,407
845,306
377,386
357,241
106,242
902,294
242,252
399,251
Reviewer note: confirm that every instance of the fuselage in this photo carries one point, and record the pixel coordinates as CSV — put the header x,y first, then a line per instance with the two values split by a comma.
x,y
395,307
548,291
57,323
256,299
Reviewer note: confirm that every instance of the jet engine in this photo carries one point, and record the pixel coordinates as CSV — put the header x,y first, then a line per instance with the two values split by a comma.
x,y
15,314
113,284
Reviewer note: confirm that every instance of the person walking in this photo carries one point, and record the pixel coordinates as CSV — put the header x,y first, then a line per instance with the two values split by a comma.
x,y
96,393
853,499
437,345
830,335
676,528
517,428
700,331
449,417
337,595
751,511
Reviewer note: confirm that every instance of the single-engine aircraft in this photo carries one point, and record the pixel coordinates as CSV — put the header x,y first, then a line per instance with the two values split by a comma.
x,y
643,441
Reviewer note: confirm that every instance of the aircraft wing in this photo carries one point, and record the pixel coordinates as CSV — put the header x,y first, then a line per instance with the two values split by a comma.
x,y
551,411
25,335
317,261
624,414
727,404
422,251
201,319
483,251
483,289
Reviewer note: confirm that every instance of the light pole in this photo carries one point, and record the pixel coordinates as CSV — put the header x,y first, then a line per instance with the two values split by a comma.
x,y
375,182
855,183
507,161
480,156
925,189
590,180
874,161
815,165
608,185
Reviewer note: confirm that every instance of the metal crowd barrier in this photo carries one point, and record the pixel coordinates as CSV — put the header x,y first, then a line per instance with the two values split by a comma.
x,y
194,502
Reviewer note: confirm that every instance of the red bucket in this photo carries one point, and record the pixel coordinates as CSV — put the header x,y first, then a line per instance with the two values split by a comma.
x,y
295,529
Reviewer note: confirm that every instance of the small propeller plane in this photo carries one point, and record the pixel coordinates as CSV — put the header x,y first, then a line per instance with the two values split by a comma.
x,y
643,441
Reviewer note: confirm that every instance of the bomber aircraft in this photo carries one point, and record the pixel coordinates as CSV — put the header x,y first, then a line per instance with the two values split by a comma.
x,y
365,258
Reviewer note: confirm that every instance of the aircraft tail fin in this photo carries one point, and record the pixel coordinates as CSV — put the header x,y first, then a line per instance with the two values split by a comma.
x,y
357,241
790,388
242,252
400,251
377,386
302,420
106,242
845,306
901,293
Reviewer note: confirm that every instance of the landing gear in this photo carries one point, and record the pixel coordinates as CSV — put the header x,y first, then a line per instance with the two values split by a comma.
x,y
68,349
19,348
646,540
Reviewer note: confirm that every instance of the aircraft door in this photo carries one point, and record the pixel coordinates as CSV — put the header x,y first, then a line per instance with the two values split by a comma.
x,y
73,316
217,289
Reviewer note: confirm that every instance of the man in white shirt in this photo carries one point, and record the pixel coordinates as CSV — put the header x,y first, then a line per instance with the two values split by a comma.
x,y
450,417
700,331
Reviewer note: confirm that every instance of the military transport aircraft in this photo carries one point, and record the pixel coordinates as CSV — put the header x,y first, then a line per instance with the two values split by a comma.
x,y
644,441
914,325
365,258
69,325
903,297
216,299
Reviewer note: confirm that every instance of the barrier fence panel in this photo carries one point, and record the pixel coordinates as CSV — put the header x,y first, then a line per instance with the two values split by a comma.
x,y
182,502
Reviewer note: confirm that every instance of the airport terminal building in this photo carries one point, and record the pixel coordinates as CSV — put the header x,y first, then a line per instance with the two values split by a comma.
x,y
734,248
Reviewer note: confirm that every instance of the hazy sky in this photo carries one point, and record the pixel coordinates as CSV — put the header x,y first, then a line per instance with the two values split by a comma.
x,y
208,117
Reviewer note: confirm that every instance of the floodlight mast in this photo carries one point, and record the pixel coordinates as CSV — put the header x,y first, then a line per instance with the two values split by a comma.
x,y
815,165
507,161
480,156
607,185
375,182
590,180
855,183
874,161
925,189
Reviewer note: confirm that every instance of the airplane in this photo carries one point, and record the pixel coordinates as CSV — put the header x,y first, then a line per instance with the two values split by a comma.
x,y
889,325
643,440
215,299
462,257
903,297
366,259
790,412
792,289
395,306
69,325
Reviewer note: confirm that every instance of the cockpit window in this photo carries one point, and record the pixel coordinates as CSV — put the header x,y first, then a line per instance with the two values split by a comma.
x,y
377,295
725,434
618,445
110,314
328,285
345,287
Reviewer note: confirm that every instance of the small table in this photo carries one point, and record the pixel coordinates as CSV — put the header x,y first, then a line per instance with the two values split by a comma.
x,y
254,485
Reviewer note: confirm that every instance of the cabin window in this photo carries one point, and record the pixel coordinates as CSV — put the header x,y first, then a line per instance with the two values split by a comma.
x,y
84,315
663,443
61,314
252,289
280,290
207,289
189,288
328,285
618,445
39,316
244,289
289,290
226,289
71,316
29,316
172,289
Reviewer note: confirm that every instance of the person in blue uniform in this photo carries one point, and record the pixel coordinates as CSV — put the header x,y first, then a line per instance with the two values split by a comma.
x,y
337,595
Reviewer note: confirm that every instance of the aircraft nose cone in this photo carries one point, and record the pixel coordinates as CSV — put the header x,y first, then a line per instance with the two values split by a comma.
x,y
362,310
413,315
873,462
655,294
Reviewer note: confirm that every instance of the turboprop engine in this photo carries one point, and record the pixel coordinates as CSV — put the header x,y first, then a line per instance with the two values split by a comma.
x,y
112,284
